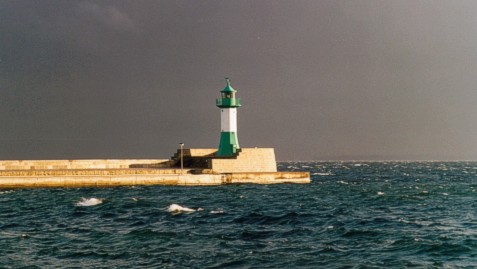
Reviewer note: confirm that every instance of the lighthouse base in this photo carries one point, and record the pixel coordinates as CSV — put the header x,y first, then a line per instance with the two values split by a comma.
x,y
247,160
228,144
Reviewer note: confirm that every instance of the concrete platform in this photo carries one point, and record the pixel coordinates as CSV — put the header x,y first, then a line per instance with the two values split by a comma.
x,y
201,167
134,177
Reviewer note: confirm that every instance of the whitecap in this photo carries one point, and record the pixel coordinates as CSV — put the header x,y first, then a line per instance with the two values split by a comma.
x,y
89,201
423,222
403,220
217,212
322,174
380,193
175,208
6,192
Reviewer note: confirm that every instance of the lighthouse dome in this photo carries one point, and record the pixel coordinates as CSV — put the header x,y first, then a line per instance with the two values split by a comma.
x,y
228,88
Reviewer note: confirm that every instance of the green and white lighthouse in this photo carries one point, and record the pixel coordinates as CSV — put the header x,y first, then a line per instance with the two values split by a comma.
x,y
228,121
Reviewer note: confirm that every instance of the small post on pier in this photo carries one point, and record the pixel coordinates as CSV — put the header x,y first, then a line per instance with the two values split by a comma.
x,y
182,157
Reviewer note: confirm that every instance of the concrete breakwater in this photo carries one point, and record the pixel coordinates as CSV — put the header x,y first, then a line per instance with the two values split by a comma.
x,y
200,167
76,164
131,177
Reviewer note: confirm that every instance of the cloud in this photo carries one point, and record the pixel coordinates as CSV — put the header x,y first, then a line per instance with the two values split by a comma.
x,y
107,16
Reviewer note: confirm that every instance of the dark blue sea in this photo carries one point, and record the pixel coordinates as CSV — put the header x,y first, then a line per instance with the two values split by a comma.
x,y
352,215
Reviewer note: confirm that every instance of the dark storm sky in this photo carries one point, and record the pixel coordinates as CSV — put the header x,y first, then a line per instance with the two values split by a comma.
x,y
318,79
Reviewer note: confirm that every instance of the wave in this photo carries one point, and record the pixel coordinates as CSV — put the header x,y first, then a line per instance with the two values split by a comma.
x,y
175,208
322,174
89,201
263,219
217,212
6,192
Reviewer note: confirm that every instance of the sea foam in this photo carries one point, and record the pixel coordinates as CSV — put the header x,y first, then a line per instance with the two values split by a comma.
x,y
6,192
175,208
89,201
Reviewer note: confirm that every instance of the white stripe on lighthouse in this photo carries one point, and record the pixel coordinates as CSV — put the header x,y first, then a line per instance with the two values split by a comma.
x,y
228,119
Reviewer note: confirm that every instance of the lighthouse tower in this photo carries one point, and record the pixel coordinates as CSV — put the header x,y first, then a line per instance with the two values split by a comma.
x,y
228,121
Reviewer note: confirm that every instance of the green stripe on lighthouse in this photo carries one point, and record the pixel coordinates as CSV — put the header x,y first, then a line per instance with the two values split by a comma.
x,y
228,144
228,121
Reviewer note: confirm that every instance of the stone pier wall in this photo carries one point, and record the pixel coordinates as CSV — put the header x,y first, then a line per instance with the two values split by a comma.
x,y
74,181
75,164
126,177
248,160
250,165
267,178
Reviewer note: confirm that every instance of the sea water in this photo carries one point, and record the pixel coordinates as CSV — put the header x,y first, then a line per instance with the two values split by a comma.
x,y
352,215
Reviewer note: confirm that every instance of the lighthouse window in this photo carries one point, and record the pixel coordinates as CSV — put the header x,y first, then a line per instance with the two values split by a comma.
x,y
228,95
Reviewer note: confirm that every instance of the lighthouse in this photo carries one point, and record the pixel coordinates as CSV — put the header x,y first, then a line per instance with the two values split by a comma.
x,y
228,121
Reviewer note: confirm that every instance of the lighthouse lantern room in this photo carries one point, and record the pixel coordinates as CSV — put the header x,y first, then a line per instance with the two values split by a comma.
x,y
228,121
